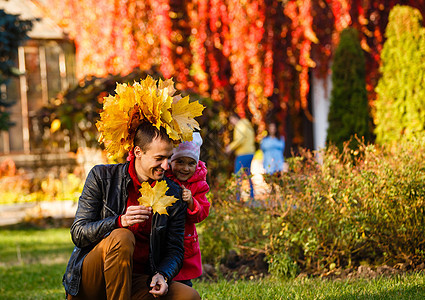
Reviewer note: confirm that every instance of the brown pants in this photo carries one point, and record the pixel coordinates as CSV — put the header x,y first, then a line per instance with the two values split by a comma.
x,y
107,273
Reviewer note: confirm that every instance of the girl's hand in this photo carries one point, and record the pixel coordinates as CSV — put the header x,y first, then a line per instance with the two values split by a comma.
x,y
187,197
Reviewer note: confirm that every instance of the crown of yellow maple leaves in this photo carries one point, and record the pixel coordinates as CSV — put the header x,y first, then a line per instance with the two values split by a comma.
x,y
148,100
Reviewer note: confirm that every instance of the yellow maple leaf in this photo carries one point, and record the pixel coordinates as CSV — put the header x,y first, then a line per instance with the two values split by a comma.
x,y
153,102
113,129
155,197
125,96
183,117
167,85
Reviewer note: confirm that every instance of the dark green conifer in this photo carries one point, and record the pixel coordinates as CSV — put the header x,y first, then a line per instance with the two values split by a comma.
x,y
349,110
13,32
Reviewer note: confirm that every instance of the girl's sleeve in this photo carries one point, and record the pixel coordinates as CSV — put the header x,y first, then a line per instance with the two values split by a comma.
x,y
282,139
201,204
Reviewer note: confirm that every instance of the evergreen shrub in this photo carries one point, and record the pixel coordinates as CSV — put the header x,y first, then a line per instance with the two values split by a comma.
x,y
349,111
13,32
400,106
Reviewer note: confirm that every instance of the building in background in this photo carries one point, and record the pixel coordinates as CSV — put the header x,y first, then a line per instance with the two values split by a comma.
x,y
47,61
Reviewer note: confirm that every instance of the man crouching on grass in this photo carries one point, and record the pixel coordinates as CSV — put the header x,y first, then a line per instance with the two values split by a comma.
x,y
125,250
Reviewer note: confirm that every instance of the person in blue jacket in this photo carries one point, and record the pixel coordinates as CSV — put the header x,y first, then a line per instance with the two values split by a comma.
x,y
273,146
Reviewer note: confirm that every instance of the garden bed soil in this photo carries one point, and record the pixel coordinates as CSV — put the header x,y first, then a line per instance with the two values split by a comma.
x,y
253,266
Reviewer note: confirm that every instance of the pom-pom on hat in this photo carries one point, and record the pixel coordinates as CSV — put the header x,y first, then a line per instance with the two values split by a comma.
x,y
189,149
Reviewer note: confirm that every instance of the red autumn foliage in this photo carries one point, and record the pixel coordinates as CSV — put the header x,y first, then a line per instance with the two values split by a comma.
x,y
253,56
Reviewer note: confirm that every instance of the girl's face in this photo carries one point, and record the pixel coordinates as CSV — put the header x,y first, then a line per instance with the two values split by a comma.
x,y
272,129
183,168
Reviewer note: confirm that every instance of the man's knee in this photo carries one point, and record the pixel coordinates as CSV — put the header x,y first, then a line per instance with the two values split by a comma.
x,y
191,294
123,239
194,295
181,291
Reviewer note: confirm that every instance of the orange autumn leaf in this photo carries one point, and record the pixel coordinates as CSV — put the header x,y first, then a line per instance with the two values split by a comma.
x,y
155,197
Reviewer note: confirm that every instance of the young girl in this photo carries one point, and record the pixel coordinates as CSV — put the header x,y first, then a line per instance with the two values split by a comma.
x,y
191,174
273,146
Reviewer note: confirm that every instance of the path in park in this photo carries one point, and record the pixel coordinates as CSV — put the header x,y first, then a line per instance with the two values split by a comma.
x,y
19,212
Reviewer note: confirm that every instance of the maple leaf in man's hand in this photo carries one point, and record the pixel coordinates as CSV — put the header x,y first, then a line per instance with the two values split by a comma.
x,y
155,197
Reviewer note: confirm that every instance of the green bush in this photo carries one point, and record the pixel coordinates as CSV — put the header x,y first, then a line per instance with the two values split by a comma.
x,y
356,206
363,205
400,106
213,238
281,265
231,225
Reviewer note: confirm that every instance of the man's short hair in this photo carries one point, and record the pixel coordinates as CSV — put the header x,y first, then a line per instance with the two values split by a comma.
x,y
146,133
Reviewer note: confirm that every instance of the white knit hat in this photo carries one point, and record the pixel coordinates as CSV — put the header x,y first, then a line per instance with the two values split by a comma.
x,y
189,149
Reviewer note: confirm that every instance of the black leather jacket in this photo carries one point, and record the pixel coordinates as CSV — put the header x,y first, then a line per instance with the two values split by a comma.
x,y
103,199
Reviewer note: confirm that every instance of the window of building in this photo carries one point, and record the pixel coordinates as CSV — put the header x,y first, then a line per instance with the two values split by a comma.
x,y
49,67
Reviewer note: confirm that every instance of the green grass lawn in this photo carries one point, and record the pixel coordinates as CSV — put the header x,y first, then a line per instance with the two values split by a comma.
x,y
402,287
32,262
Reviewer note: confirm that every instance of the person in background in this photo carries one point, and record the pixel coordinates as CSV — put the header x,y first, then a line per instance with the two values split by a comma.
x,y
191,174
243,145
273,146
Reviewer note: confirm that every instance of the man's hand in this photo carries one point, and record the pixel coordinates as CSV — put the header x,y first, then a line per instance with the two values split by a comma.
x,y
158,285
135,214
187,197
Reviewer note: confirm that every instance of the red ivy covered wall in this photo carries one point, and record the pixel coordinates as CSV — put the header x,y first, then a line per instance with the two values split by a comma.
x,y
254,56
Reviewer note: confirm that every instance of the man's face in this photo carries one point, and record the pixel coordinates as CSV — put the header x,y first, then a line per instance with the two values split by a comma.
x,y
183,167
151,165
